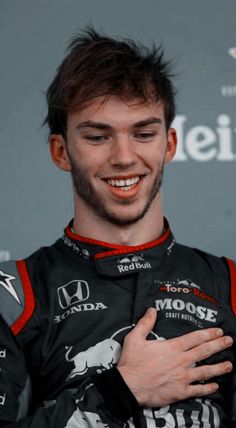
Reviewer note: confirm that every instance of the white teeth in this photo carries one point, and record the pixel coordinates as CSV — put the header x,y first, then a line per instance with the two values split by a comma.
x,y
126,188
124,184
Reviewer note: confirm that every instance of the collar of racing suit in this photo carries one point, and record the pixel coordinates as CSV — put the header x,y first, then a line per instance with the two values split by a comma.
x,y
118,260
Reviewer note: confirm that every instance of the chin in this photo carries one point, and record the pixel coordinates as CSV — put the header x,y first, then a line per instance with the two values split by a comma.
x,y
124,219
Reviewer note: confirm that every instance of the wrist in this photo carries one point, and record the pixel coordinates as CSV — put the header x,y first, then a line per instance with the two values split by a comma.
x,y
116,394
132,385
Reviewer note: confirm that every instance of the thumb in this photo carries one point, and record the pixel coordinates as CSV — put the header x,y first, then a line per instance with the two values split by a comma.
x,y
146,323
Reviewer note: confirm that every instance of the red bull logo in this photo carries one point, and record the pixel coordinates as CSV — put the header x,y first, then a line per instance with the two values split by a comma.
x,y
133,262
103,356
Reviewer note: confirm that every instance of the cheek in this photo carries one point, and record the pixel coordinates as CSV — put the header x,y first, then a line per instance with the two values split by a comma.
x,y
88,165
153,153
155,160
78,157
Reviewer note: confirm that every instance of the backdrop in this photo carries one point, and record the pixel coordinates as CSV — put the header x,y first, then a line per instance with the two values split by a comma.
x,y
199,187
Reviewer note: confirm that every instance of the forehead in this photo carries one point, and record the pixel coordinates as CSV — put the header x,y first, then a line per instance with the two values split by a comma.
x,y
115,111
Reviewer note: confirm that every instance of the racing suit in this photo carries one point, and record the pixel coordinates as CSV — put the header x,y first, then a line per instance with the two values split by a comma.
x,y
65,311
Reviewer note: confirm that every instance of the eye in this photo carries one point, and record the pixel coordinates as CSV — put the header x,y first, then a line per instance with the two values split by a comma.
x,y
145,136
96,138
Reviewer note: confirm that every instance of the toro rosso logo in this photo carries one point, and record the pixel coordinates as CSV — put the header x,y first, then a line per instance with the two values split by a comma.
x,y
73,292
187,283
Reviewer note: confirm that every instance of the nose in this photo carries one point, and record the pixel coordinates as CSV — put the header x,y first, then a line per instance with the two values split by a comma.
x,y
123,152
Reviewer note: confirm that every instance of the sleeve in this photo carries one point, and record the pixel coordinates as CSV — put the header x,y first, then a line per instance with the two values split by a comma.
x,y
103,401
233,401
232,272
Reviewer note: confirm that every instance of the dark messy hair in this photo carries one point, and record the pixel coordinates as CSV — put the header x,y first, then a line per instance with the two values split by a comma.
x,y
97,65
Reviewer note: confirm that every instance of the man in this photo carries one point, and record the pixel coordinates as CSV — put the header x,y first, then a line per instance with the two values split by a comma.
x,y
80,344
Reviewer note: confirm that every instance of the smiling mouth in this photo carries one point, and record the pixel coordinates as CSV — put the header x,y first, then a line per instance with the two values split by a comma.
x,y
124,183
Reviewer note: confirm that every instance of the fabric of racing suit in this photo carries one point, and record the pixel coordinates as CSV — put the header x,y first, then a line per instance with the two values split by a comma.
x,y
65,311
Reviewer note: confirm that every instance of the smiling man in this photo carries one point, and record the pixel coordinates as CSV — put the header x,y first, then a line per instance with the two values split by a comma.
x,y
81,344
116,150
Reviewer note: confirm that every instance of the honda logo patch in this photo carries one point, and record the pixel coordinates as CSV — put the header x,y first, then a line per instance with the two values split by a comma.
x,y
73,292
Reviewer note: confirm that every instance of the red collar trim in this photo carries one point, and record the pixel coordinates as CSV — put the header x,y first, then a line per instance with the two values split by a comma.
x,y
118,249
127,249
80,238
232,270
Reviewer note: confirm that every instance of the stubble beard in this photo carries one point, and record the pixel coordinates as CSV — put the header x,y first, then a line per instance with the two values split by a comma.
x,y
87,193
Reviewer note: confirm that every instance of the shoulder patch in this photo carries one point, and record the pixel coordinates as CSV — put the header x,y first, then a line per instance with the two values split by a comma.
x,y
16,296
232,271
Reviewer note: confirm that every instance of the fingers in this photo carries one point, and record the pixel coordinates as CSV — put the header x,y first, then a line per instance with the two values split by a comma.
x,y
201,374
206,372
202,390
206,350
145,324
198,337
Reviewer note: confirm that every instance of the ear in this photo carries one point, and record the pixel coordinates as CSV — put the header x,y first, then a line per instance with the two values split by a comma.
x,y
171,145
59,152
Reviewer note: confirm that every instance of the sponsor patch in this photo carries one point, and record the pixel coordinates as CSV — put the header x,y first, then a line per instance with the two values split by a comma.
x,y
85,420
133,262
79,308
186,310
82,252
73,292
170,248
3,353
101,356
6,282
2,398
186,286
71,298
202,414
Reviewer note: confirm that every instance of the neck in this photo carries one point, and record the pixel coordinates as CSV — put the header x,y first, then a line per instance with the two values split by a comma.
x,y
149,228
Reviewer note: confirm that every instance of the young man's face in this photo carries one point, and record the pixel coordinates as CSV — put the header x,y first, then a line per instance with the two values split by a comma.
x,y
116,153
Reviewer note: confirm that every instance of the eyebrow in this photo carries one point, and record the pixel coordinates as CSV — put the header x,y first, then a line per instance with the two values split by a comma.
x,y
105,126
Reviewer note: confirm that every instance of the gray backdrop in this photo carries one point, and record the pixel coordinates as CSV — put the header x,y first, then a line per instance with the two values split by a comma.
x,y
199,187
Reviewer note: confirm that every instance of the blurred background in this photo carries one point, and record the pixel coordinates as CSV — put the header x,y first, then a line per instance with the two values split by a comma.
x,y
199,186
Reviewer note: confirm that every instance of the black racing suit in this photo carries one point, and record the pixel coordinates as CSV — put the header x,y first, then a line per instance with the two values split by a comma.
x,y
65,311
